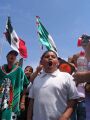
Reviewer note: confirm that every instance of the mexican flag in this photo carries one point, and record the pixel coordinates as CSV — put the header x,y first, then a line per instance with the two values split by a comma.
x,y
44,37
15,42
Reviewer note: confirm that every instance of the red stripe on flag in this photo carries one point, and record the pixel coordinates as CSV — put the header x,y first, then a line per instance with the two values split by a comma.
x,y
22,48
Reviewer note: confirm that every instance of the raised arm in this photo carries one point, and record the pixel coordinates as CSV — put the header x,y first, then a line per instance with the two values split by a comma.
x,y
37,71
81,77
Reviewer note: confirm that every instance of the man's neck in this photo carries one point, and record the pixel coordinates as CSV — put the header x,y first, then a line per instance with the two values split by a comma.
x,y
10,66
50,70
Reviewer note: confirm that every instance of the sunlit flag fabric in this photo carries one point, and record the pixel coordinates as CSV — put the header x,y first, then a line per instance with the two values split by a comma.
x,y
44,37
15,42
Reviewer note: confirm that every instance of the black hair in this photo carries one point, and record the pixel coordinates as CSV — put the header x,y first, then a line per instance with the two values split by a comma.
x,y
12,52
47,52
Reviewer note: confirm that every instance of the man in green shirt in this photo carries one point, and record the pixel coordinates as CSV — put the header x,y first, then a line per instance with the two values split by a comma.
x,y
12,82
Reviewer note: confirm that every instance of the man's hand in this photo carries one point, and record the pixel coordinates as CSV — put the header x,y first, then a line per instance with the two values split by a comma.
x,y
39,68
63,118
37,71
68,112
76,78
81,77
22,106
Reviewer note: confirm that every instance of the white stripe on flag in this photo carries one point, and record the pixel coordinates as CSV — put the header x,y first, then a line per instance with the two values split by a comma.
x,y
14,41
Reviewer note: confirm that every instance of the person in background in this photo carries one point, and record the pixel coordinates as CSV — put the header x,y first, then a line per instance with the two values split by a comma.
x,y
17,63
79,109
31,75
53,93
28,71
82,77
65,66
12,82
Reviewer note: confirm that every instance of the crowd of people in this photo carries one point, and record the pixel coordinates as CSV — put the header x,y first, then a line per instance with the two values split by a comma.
x,y
50,92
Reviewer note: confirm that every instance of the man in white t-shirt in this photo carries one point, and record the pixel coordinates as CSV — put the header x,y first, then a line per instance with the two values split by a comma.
x,y
53,93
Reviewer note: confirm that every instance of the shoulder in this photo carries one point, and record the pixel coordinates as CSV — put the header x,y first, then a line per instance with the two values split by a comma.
x,y
65,75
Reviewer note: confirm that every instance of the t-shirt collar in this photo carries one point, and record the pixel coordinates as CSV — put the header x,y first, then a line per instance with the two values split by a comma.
x,y
54,74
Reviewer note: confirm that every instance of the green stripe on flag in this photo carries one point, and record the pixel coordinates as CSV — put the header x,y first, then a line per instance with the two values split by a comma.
x,y
45,37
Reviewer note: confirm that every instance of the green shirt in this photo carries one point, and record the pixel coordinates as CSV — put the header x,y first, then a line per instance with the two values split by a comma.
x,y
11,85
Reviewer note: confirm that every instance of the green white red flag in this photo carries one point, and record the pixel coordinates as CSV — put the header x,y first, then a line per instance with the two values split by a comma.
x,y
15,42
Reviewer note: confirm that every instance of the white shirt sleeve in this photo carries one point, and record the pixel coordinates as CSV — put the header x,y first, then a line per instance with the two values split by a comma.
x,y
72,89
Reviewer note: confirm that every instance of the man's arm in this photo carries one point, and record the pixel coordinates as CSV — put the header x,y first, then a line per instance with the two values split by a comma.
x,y
24,84
68,112
81,77
37,71
22,101
30,110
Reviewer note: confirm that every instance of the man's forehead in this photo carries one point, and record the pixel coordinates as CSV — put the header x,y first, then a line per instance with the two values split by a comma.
x,y
12,54
50,53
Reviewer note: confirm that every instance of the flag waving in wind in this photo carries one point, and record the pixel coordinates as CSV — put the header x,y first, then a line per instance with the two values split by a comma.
x,y
15,42
44,37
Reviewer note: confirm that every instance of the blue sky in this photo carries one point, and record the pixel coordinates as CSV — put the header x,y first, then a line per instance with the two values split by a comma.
x,y
65,20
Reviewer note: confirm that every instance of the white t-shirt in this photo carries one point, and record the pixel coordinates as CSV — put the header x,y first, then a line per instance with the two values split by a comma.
x,y
81,89
50,92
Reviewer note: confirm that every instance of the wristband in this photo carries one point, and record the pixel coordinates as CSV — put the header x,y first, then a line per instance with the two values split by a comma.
x,y
22,103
